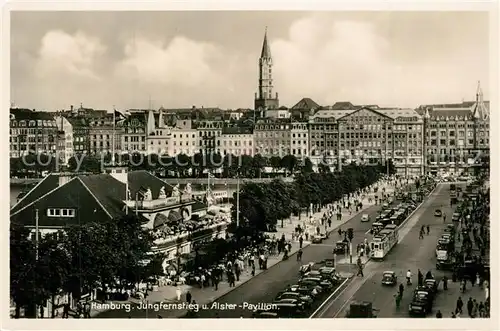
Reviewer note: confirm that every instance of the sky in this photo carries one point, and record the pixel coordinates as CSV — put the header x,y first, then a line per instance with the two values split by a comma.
x,y
210,59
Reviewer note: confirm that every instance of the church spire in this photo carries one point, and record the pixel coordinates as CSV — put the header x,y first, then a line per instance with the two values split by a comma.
x,y
266,51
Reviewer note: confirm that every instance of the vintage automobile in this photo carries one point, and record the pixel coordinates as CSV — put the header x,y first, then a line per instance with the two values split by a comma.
x,y
330,274
299,303
324,283
438,213
389,278
341,247
305,290
289,310
317,239
432,284
421,303
305,268
365,218
307,299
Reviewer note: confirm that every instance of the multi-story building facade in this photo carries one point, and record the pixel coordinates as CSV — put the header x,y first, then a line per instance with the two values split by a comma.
x,y
264,98
368,135
272,137
81,137
299,139
456,136
32,132
133,136
185,138
236,141
102,133
208,132
65,128
158,138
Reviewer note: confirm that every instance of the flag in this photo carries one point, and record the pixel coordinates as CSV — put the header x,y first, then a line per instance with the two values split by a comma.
x,y
119,117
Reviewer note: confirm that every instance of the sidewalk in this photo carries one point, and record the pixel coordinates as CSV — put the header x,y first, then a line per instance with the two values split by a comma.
x,y
167,294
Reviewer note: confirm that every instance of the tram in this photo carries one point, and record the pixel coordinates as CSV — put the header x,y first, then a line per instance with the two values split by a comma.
x,y
384,241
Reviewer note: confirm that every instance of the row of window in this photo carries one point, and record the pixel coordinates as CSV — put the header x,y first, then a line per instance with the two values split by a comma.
x,y
460,142
33,123
60,212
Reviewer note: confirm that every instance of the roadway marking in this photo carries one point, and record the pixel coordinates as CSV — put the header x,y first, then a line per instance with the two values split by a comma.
x,y
329,297
365,279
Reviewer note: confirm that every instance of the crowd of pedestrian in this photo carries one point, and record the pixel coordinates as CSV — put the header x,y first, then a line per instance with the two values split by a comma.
x,y
472,251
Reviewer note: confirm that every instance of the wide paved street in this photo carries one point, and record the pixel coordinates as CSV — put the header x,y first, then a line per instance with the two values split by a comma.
x,y
410,253
264,287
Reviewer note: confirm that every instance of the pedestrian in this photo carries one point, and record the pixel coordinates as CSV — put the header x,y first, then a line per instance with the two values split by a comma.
x,y
460,304
428,229
299,255
445,283
438,314
329,222
444,218
301,241
188,297
178,292
470,306
481,309
253,270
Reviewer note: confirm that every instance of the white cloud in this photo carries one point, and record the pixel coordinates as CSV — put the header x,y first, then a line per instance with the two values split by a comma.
x,y
182,62
330,60
62,53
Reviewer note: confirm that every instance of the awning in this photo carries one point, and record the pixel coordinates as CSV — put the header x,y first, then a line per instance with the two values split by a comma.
x,y
160,220
174,216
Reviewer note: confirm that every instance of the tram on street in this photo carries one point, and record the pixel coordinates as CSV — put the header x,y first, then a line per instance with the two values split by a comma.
x,y
384,241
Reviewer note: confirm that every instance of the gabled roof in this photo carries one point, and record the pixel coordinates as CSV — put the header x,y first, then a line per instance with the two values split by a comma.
x,y
397,112
108,192
333,114
344,105
363,108
305,104
48,184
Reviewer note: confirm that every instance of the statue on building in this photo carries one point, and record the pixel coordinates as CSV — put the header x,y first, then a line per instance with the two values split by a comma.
x,y
162,194
187,189
148,195
175,191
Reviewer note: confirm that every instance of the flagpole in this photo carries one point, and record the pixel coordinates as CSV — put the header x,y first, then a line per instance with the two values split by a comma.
x,y
113,137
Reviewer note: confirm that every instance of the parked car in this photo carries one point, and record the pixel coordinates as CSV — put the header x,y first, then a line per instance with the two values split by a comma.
x,y
325,284
289,310
365,218
389,278
432,285
330,274
299,303
307,299
306,289
438,213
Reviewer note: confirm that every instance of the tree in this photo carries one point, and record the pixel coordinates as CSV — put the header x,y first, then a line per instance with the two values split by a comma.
x,y
275,163
22,271
53,265
307,167
289,163
259,162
